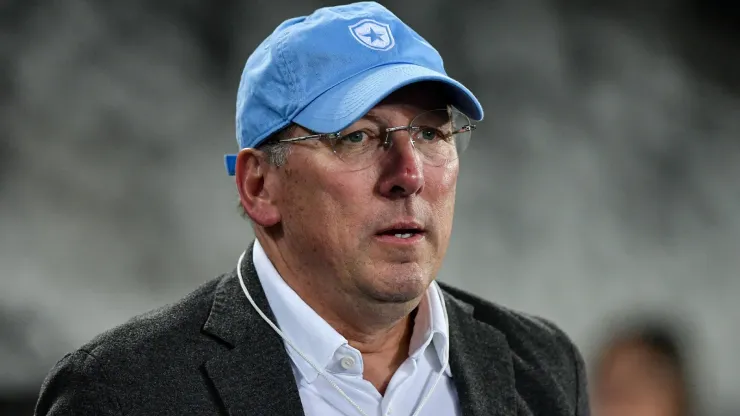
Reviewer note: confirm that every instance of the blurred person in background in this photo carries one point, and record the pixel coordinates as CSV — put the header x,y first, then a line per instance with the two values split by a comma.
x,y
350,132
642,370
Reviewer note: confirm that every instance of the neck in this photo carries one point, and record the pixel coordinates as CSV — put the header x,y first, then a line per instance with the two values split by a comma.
x,y
383,348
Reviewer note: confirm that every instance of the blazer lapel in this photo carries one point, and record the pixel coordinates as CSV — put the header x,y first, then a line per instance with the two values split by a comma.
x,y
254,375
481,364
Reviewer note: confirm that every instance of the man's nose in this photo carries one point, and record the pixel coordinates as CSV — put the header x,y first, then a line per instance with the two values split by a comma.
x,y
403,172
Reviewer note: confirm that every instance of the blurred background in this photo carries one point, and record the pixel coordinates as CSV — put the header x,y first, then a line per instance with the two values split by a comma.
x,y
602,186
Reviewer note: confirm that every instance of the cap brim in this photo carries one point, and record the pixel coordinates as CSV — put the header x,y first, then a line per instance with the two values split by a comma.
x,y
348,101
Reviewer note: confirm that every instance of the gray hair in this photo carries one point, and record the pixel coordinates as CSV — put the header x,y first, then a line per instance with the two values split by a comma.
x,y
276,154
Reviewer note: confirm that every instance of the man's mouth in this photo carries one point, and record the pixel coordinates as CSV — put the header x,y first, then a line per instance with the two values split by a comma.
x,y
402,233
409,231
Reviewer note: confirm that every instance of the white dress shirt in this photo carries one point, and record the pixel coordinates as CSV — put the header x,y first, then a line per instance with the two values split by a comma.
x,y
343,364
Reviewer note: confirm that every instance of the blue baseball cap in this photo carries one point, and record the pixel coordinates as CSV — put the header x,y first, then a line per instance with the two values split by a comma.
x,y
327,70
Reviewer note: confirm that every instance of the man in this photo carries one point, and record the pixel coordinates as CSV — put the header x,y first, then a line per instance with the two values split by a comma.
x,y
350,133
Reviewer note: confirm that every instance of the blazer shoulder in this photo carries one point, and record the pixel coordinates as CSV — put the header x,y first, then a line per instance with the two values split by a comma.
x,y
103,376
77,384
159,332
520,328
538,346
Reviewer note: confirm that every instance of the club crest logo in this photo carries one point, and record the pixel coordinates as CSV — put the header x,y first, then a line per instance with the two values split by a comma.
x,y
373,35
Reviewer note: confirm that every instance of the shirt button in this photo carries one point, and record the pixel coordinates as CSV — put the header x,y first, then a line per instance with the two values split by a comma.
x,y
347,362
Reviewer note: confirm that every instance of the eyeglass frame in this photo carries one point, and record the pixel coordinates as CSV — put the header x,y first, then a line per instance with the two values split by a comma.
x,y
388,130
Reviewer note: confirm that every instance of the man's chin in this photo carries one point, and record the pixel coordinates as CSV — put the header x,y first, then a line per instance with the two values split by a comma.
x,y
396,297
397,290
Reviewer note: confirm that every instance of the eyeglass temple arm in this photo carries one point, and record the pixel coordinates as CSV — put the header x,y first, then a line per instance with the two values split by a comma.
x,y
312,136
463,129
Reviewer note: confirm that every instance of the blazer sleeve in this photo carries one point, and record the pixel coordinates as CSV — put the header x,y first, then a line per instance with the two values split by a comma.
x,y
77,385
582,402
577,382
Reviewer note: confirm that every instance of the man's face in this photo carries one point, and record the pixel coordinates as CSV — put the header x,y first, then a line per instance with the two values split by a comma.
x,y
333,216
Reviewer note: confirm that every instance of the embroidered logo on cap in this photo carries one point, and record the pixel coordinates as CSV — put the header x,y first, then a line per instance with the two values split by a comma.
x,y
372,34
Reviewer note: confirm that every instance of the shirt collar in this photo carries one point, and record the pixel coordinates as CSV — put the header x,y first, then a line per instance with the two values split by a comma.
x,y
320,341
431,326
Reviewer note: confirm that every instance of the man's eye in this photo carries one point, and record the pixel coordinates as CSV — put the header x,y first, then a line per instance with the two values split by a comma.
x,y
355,137
429,134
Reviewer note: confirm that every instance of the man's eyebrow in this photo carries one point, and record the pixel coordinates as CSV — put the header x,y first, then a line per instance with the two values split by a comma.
x,y
373,117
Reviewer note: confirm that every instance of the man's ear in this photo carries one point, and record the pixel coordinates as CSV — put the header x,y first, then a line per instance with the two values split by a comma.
x,y
256,198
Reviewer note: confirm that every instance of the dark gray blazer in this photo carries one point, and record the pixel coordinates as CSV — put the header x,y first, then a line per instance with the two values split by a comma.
x,y
211,354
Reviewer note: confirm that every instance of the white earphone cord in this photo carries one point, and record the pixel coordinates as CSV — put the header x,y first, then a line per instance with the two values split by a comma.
x,y
316,367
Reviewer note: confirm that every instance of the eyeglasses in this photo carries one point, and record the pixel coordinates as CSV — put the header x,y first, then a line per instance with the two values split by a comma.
x,y
439,137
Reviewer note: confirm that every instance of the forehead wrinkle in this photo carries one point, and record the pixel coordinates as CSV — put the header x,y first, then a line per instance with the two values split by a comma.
x,y
410,110
375,118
